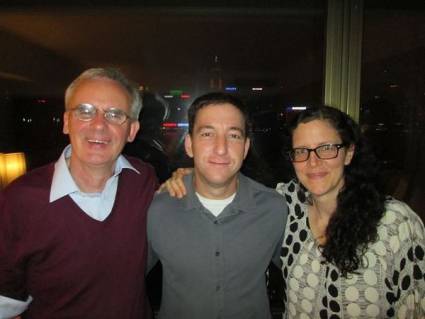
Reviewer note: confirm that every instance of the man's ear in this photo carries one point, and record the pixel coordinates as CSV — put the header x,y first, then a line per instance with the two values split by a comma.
x,y
65,128
247,145
188,145
134,128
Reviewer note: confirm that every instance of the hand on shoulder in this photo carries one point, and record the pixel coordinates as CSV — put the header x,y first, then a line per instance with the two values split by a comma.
x,y
174,185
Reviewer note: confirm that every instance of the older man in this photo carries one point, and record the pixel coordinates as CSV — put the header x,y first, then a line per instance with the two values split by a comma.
x,y
72,233
216,243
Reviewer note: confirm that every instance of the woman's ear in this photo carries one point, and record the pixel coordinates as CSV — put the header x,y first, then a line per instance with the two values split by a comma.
x,y
349,154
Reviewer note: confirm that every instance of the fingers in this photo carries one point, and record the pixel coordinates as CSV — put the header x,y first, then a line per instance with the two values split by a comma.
x,y
175,185
186,170
166,188
161,188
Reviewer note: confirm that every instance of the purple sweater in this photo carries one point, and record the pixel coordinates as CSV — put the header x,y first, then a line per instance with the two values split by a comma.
x,y
72,265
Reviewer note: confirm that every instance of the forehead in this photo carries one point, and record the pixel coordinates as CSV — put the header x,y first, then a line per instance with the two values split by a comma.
x,y
315,132
224,113
100,92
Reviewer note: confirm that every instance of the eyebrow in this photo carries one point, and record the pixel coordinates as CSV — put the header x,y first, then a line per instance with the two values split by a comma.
x,y
232,128
235,128
320,144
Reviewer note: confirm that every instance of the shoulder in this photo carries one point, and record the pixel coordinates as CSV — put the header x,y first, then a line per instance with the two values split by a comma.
x,y
146,177
163,205
262,201
165,212
28,195
34,182
292,192
259,189
288,188
164,199
398,212
144,168
401,221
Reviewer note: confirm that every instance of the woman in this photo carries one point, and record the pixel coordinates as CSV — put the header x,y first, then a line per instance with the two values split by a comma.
x,y
348,251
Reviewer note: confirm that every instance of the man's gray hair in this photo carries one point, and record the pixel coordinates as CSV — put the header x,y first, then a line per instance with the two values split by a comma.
x,y
114,75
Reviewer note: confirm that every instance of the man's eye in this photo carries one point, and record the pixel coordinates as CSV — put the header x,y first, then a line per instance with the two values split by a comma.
x,y
85,112
114,114
235,136
206,134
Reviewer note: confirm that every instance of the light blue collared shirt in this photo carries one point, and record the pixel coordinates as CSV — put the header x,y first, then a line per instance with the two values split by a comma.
x,y
97,205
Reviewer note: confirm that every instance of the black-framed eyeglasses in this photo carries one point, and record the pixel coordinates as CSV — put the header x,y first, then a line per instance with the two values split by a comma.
x,y
87,112
326,151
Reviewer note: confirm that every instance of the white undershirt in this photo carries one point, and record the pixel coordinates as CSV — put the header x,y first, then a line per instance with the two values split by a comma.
x,y
215,206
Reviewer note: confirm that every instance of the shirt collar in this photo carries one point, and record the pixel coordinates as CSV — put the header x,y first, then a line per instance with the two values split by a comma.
x,y
63,184
243,201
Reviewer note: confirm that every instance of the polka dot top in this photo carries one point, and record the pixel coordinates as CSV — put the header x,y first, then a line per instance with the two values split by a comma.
x,y
391,284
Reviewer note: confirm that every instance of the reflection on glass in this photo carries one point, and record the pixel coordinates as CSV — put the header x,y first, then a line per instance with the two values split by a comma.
x,y
392,97
270,56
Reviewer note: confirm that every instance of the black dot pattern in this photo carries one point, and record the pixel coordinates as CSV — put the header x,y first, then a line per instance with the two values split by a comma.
x,y
419,252
303,235
390,313
394,268
402,263
405,283
288,199
296,248
333,291
417,273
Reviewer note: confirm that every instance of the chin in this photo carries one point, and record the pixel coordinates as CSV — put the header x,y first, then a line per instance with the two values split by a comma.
x,y
98,160
318,194
219,180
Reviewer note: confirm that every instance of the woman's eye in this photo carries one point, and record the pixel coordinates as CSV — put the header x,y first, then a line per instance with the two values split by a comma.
x,y
300,151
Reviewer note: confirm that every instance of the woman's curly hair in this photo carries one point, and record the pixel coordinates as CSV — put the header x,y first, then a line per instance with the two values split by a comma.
x,y
360,205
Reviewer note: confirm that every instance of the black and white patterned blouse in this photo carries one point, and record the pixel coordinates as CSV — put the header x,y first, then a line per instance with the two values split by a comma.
x,y
392,284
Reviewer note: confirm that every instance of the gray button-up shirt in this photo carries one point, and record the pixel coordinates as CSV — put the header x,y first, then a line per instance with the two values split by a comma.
x,y
214,267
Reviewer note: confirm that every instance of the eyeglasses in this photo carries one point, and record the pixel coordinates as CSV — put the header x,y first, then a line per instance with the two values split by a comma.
x,y
87,112
326,151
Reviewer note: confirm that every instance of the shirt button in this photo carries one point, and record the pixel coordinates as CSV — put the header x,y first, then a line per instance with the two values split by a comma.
x,y
217,288
217,253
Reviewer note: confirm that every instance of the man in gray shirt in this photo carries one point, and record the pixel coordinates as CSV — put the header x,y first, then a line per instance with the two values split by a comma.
x,y
216,243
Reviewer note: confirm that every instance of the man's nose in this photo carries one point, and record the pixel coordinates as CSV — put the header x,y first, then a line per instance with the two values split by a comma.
x,y
221,145
99,120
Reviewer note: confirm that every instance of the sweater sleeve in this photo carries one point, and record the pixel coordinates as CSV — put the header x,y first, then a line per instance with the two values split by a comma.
x,y
408,276
11,268
13,297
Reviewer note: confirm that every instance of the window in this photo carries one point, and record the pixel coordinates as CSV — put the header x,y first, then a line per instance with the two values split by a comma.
x,y
393,96
269,54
